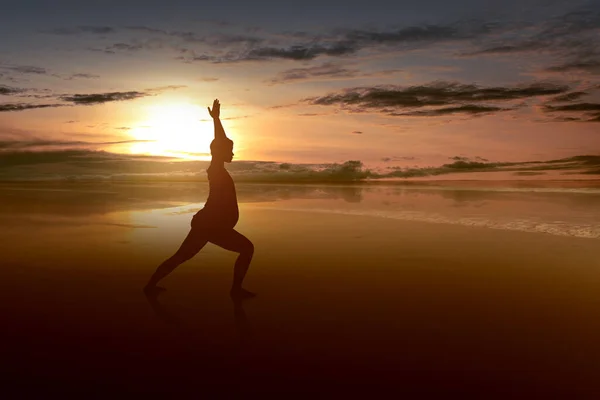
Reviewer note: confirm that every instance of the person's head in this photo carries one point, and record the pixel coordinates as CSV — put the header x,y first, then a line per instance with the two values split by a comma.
x,y
222,150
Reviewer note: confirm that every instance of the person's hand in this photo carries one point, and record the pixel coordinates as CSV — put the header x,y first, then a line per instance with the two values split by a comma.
x,y
216,109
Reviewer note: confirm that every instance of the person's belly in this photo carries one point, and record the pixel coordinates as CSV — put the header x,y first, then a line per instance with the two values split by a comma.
x,y
222,218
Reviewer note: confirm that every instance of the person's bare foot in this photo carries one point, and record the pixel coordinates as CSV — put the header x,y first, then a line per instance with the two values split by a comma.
x,y
153,291
241,294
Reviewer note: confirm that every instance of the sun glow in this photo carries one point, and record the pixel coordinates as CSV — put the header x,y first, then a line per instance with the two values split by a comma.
x,y
176,130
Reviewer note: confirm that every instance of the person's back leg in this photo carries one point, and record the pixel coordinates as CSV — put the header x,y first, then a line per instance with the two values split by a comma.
x,y
192,244
232,240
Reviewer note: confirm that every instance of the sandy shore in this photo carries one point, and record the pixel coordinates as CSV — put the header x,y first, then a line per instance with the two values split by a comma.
x,y
346,304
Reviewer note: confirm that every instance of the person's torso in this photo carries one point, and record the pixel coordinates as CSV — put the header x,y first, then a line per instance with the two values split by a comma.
x,y
222,197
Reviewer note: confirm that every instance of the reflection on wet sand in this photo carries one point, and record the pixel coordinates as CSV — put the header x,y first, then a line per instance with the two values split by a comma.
x,y
241,322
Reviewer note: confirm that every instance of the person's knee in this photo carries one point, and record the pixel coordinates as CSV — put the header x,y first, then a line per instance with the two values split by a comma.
x,y
248,249
180,258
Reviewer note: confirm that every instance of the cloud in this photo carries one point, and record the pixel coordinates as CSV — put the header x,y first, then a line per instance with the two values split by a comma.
x,y
567,97
310,114
571,39
575,107
465,109
26,69
82,76
79,99
33,70
590,66
100,98
398,158
81,30
7,90
585,112
329,70
448,97
346,42
556,34
298,52
125,47
39,143
161,89
357,132
507,49
325,71
303,46
22,106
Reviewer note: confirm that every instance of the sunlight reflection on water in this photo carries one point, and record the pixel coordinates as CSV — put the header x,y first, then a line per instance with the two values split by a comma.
x,y
569,211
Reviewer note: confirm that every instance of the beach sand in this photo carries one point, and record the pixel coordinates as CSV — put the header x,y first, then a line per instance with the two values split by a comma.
x,y
346,305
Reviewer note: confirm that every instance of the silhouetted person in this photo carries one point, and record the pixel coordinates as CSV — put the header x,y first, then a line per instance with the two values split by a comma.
x,y
215,222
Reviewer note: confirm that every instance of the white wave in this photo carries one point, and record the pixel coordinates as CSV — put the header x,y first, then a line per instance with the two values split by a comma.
x,y
559,228
506,189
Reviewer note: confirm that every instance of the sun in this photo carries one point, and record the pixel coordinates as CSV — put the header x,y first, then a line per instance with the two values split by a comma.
x,y
176,130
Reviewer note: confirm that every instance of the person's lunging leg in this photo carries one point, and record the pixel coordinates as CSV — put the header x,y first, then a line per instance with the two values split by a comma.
x,y
232,240
192,244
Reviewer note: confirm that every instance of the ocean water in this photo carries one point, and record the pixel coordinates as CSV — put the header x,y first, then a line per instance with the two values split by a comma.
x,y
571,210
556,211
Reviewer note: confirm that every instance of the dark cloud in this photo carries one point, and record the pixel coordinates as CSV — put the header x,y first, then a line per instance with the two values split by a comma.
x,y
82,76
567,97
38,143
214,39
298,52
26,69
309,114
81,29
180,41
557,34
508,49
81,99
303,46
325,71
584,112
570,38
23,106
398,158
357,132
6,77
590,66
465,109
125,47
451,98
186,36
33,70
99,98
101,50
7,90
575,107
165,88
461,30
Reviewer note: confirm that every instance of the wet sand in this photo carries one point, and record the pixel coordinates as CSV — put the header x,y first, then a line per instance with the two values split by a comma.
x,y
346,304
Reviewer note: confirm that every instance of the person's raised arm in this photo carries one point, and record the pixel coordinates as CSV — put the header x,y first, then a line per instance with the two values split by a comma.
x,y
215,114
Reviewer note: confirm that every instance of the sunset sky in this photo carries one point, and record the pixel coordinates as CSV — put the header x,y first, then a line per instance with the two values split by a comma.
x,y
413,82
